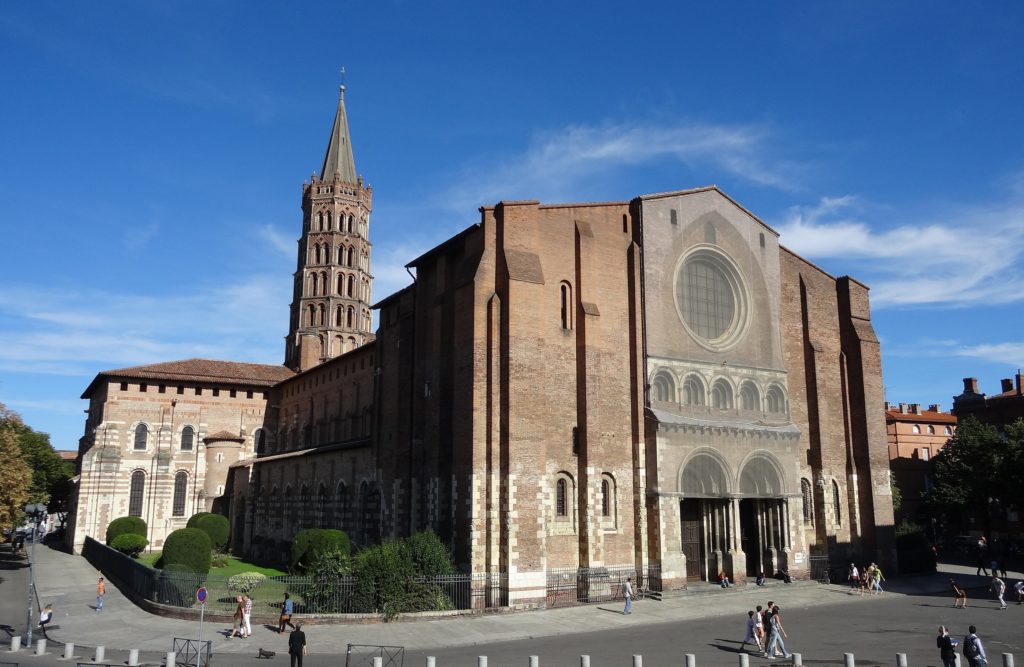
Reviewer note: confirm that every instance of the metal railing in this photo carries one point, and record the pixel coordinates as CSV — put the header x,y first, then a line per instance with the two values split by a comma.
x,y
362,655
572,586
187,650
820,568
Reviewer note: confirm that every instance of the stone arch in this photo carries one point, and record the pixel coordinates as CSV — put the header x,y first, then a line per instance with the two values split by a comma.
x,y
775,400
663,386
694,390
723,393
761,476
705,474
750,396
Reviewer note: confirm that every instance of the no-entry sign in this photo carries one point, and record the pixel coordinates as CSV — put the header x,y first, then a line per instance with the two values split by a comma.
x,y
201,596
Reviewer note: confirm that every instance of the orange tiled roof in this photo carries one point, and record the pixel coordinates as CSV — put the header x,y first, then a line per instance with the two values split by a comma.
x,y
923,418
202,370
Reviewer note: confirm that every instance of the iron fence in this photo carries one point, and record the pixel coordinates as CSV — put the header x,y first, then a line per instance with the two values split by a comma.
x,y
362,655
572,586
821,569
186,652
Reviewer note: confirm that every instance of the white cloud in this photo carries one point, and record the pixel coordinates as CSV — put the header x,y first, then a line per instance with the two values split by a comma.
x,y
1011,354
558,164
967,256
280,242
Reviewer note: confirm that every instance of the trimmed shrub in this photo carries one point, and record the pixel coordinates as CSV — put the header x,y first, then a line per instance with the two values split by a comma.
x,y
196,517
130,544
311,544
189,547
177,585
245,583
123,525
216,527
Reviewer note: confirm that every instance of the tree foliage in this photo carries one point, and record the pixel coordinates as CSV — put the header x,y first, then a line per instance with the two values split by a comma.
x,y
978,468
125,525
215,526
312,543
129,544
15,473
187,547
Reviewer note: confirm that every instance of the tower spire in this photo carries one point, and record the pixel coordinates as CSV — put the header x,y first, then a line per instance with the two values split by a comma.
x,y
338,158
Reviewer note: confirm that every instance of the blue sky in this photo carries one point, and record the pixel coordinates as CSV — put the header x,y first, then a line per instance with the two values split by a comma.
x,y
152,155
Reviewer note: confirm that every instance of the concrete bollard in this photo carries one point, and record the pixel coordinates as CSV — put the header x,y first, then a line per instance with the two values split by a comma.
x,y
638,660
534,661
133,658
691,660
584,661
744,660
378,661
15,643
901,660
430,661
798,659
171,659
848,660
100,654
481,661
1007,660
69,651
41,647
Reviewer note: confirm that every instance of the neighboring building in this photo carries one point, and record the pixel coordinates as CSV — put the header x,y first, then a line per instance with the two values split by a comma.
x,y
1000,409
915,436
653,383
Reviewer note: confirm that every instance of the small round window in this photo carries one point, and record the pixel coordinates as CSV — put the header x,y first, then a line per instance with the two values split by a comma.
x,y
710,298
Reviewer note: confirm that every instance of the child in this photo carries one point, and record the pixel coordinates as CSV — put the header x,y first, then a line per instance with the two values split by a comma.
x,y
959,596
45,616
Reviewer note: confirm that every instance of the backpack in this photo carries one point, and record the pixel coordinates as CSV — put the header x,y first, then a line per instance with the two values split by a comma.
x,y
971,647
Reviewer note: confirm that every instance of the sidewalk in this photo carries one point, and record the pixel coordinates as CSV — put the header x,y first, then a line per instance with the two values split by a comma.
x,y
69,583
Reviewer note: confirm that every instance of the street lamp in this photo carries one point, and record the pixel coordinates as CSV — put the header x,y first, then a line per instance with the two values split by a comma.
x,y
35,513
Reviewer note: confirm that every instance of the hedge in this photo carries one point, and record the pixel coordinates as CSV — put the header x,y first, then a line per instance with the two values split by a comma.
x,y
123,525
196,517
189,547
215,526
130,544
310,544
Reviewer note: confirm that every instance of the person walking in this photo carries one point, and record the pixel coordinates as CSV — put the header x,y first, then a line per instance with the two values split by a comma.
x,y
947,647
877,580
778,632
854,578
759,628
287,608
959,596
999,589
45,616
297,645
236,619
751,636
1018,588
246,616
101,590
981,549
973,649
628,593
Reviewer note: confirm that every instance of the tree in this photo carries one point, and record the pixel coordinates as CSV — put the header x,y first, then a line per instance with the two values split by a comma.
x,y
897,493
49,471
977,468
15,474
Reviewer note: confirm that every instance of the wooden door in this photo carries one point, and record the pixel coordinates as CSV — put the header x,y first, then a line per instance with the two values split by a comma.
x,y
690,531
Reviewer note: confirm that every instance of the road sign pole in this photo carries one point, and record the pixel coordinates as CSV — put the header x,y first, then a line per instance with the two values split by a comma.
x,y
201,599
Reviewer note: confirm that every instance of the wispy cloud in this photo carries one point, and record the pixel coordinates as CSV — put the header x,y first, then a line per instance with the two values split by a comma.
x,y
138,237
279,241
558,164
85,329
966,256
1006,353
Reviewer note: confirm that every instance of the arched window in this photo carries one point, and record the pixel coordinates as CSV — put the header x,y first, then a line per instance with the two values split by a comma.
x,y
693,391
311,315
338,316
314,284
836,503
608,500
329,221
351,223
561,497
260,437
188,436
931,430
180,487
350,317
351,286
141,437
324,285
135,493
566,302
316,253
351,261
750,398
808,501
949,430
664,388
323,315
776,401
721,395
352,343
320,220
915,429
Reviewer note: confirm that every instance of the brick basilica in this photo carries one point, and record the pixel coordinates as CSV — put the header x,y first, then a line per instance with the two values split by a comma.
x,y
654,383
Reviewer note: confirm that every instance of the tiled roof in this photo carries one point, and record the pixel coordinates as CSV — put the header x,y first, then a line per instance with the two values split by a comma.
x,y
201,370
923,418
223,435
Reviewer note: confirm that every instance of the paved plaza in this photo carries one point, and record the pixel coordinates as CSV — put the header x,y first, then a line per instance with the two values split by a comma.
x,y
823,622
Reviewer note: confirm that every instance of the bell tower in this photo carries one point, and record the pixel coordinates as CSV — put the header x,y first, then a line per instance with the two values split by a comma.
x,y
330,309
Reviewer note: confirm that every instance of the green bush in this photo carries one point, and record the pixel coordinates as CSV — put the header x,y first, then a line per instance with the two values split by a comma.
x,y
245,583
430,556
913,550
311,544
189,547
196,517
219,560
215,526
130,544
177,585
386,576
123,525
324,594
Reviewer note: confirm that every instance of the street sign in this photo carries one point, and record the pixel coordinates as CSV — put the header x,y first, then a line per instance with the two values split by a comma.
x,y
201,596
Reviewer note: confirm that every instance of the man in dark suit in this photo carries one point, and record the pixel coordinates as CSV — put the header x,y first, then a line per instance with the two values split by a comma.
x,y
297,645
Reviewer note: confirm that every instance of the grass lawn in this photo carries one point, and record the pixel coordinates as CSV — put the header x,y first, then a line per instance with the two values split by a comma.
x,y
234,566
